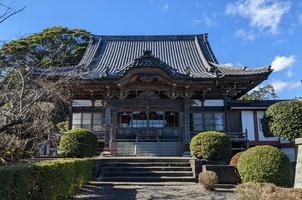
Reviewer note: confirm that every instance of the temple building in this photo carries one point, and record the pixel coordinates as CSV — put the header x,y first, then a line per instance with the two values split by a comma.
x,y
149,95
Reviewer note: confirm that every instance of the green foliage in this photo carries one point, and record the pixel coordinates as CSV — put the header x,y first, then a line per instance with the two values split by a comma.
x,y
265,164
262,93
78,142
63,126
47,180
283,120
53,47
211,145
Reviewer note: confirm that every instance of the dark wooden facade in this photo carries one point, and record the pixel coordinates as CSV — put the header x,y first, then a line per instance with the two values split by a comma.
x,y
171,87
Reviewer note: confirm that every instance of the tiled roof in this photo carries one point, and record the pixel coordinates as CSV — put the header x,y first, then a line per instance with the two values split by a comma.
x,y
110,57
251,103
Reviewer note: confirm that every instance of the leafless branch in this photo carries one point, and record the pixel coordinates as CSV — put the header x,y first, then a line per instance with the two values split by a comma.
x,y
10,11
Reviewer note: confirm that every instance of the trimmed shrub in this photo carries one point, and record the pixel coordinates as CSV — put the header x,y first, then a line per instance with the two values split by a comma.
x,y
208,179
47,180
78,142
252,190
234,162
265,164
283,120
211,145
235,158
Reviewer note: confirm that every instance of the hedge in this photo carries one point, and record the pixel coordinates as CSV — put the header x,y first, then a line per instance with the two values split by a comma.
x,y
47,180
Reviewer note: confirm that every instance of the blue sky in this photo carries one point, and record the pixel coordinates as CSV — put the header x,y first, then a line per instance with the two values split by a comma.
x,y
252,33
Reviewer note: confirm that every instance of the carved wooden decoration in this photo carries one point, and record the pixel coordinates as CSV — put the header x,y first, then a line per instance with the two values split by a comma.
x,y
147,95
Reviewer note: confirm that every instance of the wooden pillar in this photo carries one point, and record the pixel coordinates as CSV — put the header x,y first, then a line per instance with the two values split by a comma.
x,y
114,125
70,114
226,121
186,124
107,126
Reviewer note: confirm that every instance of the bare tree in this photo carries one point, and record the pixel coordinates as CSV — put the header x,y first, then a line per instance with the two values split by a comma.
x,y
8,10
27,103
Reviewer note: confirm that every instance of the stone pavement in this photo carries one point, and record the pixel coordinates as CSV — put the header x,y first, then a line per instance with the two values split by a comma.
x,y
151,192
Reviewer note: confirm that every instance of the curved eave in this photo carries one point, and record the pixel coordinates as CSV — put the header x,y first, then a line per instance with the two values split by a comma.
x,y
227,70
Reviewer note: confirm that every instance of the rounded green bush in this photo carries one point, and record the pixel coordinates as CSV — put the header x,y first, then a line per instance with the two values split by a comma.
x,y
78,142
265,164
283,120
211,145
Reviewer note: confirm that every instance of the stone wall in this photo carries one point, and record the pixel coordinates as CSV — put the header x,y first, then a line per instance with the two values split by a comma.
x,y
197,164
298,171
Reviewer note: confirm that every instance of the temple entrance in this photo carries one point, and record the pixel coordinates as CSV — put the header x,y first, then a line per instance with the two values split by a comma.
x,y
130,123
148,133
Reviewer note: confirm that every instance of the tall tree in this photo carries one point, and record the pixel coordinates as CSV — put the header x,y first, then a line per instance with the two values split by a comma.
x,y
27,103
262,93
53,47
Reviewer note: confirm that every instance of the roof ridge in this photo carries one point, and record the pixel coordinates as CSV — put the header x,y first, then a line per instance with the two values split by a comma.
x,y
150,37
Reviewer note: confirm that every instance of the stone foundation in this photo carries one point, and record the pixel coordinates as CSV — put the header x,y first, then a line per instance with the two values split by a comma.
x,y
298,173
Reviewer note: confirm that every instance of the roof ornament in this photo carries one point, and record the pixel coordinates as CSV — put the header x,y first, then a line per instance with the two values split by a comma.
x,y
187,71
205,38
147,53
91,39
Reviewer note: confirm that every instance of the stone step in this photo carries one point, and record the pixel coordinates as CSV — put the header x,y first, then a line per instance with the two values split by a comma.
x,y
146,173
145,164
154,183
146,168
147,179
147,159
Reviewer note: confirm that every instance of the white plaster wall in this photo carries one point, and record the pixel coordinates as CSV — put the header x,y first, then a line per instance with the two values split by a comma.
x,y
209,102
261,137
248,123
79,103
290,152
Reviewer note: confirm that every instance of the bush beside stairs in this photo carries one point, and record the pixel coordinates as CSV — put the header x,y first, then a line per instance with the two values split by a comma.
x,y
146,170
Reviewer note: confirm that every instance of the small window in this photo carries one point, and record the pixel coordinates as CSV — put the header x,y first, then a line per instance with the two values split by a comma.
x,y
91,121
206,121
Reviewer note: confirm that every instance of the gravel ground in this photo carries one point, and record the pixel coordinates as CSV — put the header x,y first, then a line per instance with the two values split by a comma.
x,y
133,192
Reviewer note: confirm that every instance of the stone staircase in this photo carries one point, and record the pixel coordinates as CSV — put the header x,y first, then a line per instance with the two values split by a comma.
x,y
146,170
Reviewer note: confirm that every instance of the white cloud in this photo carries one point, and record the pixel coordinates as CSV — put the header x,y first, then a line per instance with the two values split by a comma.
x,y
264,15
208,21
245,35
280,85
166,7
196,21
228,64
280,41
282,62
232,65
